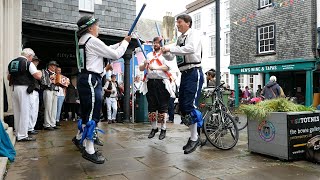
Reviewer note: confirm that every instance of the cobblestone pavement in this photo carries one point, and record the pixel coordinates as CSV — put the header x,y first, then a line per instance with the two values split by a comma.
x,y
131,155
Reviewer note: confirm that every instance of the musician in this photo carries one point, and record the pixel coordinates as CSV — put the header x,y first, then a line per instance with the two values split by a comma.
x,y
61,93
89,82
34,101
158,89
50,98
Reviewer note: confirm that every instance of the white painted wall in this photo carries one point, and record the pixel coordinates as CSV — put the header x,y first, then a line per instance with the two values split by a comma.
x,y
10,42
208,29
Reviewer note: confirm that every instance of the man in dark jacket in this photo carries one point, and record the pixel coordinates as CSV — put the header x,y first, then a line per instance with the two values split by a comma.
x,y
271,89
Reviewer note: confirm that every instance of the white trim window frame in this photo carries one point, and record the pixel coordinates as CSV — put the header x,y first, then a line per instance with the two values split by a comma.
x,y
266,39
212,46
227,8
197,21
227,43
213,15
86,5
265,3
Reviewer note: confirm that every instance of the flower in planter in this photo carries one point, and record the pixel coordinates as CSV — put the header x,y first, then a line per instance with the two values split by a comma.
x,y
260,111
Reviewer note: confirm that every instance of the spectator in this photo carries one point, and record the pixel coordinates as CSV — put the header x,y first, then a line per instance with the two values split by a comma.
x,y
211,80
259,91
21,75
272,89
71,102
111,91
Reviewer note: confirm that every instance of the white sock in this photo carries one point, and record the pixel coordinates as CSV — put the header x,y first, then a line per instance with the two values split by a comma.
x,y
79,135
154,124
89,147
194,132
164,125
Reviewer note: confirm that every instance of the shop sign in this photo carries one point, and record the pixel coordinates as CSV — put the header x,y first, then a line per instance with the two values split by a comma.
x,y
301,128
273,68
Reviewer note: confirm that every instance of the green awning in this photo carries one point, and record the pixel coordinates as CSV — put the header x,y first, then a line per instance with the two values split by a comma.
x,y
275,66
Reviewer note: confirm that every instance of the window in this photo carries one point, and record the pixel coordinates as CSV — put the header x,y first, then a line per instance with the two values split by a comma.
x,y
251,81
266,39
197,21
213,15
86,5
264,3
241,81
227,6
227,44
227,78
212,45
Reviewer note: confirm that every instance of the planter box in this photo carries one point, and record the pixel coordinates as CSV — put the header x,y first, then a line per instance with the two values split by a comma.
x,y
283,135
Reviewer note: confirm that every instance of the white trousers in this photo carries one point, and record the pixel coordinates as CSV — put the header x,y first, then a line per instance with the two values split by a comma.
x,y
21,111
34,108
112,103
50,108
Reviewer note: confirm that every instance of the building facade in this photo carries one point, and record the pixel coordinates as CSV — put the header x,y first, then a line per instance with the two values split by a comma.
x,y
10,44
278,38
203,14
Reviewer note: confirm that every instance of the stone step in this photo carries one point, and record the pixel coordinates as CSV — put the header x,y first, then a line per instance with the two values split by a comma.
x,y
4,160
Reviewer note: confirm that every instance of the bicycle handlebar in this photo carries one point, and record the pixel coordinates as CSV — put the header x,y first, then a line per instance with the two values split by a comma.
x,y
215,90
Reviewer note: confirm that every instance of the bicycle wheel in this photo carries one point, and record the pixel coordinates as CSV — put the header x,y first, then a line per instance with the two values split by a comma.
x,y
221,130
241,121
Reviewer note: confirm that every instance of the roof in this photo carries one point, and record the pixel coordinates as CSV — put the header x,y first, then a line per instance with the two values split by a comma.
x,y
147,30
73,27
197,5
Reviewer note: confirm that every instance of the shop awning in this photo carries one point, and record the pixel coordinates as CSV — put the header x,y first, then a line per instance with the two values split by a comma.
x,y
275,66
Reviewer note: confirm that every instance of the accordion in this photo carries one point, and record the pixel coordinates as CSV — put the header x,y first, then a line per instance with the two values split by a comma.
x,y
62,80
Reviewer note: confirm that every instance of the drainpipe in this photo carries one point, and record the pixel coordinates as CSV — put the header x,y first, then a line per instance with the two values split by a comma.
x,y
217,43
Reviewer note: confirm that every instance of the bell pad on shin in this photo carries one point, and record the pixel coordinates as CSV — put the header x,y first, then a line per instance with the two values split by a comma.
x,y
187,120
152,116
161,117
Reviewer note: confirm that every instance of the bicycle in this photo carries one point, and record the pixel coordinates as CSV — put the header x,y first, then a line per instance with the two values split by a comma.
x,y
241,122
219,126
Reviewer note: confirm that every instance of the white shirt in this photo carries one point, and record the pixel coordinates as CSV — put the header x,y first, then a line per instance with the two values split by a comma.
x,y
156,74
191,50
60,92
113,88
96,50
137,86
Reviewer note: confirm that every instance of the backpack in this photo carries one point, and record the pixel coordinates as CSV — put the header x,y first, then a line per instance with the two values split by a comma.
x,y
313,149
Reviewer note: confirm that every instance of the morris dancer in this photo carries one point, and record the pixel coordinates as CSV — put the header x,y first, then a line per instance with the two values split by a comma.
x,y
188,56
157,88
89,82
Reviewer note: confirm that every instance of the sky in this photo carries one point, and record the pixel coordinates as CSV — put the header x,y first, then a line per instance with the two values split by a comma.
x,y
156,9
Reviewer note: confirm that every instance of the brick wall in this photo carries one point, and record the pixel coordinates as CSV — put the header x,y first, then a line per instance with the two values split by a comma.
x,y
113,14
295,30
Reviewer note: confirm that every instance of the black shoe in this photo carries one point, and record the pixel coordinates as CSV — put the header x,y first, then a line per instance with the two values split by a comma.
x,y
184,147
162,134
56,127
49,128
95,158
152,133
58,124
34,132
192,146
98,142
27,139
77,143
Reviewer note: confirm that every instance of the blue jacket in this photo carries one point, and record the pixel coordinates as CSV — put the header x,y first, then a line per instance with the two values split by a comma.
x,y
6,147
271,90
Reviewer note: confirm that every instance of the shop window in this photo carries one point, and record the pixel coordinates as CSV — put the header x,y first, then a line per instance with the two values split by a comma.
x,y
266,39
197,21
251,81
227,78
265,3
241,81
86,5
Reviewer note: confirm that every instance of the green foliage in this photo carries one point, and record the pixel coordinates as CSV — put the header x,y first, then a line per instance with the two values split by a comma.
x,y
260,110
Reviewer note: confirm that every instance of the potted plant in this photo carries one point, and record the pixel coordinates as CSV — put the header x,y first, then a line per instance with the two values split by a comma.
x,y
280,128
